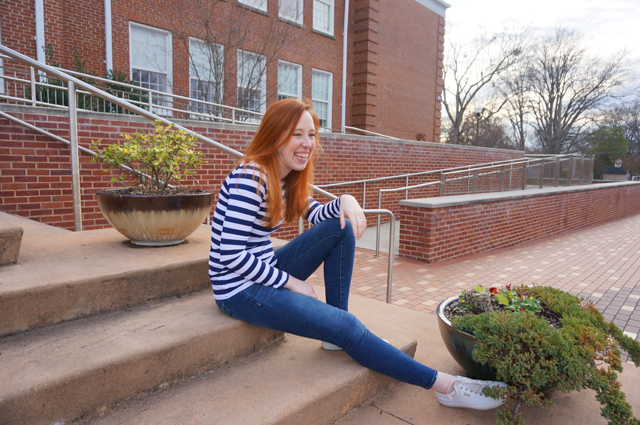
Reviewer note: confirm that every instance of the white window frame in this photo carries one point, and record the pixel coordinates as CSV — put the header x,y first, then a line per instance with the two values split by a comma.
x,y
263,78
255,4
298,69
2,88
330,96
331,4
169,60
287,17
192,77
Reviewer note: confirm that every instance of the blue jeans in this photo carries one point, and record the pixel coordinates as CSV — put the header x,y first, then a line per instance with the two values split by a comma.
x,y
286,311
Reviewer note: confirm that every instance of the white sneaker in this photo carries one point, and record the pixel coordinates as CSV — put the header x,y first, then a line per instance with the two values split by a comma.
x,y
467,393
330,347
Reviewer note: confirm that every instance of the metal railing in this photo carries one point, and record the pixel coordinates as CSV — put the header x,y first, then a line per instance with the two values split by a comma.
x,y
27,87
512,174
76,87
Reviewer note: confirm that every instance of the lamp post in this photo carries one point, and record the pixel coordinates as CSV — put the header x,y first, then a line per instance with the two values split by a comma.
x,y
478,110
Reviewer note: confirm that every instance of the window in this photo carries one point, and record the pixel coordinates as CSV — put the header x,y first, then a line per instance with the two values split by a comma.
x,y
321,85
150,50
256,4
323,16
205,75
291,10
289,80
252,77
2,90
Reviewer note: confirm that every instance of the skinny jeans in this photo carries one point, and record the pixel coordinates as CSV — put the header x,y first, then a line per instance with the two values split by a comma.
x,y
286,311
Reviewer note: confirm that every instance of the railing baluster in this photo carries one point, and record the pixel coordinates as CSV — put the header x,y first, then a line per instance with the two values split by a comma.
x,y
75,157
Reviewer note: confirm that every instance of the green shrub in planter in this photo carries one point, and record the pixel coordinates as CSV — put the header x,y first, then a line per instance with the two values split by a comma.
x,y
154,158
531,356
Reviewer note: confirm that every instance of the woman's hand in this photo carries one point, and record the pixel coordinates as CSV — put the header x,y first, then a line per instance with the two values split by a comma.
x,y
349,208
300,287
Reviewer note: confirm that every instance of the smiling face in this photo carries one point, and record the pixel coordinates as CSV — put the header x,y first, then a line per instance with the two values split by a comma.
x,y
296,152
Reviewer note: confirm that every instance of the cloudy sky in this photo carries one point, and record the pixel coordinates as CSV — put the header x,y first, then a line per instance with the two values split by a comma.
x,y
607,26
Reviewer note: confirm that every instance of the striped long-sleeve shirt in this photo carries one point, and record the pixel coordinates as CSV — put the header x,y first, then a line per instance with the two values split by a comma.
x,y
241,252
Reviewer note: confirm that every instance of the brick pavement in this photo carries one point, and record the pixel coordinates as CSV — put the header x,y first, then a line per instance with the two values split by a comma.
x,y
600,263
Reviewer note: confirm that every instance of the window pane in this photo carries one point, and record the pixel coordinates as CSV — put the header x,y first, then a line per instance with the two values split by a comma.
x,y
291,9
148,49
288,80
258,4
321,109
320,87
321,12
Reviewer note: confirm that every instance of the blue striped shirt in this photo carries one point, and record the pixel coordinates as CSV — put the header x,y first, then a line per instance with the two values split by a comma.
x,y
241,252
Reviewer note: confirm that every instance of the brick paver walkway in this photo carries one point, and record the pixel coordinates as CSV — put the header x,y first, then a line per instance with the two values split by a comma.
x,y
600,263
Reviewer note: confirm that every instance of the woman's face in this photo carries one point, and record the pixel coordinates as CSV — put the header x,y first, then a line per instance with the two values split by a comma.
x,y
296,152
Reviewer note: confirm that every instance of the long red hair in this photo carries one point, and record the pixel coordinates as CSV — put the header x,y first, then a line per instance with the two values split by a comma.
x,y
276,128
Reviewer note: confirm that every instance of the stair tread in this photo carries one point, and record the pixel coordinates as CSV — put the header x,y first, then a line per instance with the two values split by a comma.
x,y
112,355
295,382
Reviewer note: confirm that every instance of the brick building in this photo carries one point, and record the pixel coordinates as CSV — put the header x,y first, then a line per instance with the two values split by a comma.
x,y
211,50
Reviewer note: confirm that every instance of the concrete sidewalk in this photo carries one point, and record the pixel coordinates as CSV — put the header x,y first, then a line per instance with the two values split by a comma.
x,y
600,263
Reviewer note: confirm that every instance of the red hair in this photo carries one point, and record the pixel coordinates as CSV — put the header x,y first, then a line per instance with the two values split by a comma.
x,y
276,128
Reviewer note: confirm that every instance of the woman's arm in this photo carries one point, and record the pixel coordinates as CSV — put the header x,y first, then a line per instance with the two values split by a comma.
x,y
343,207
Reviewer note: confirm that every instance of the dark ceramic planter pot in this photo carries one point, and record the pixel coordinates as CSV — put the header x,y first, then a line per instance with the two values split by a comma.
x,y
461,345
155,220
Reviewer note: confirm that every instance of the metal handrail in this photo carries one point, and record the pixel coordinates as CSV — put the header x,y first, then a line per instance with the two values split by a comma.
x,y
370,132
526,162
73,131
150,94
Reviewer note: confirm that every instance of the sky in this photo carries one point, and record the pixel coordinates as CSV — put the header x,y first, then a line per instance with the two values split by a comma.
x,y
607,26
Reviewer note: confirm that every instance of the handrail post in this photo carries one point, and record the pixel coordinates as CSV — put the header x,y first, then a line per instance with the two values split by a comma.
x,y
406,192
150,102
524,175
581,169
392,235
541,174
364,195
476,173
443,184
502,170
75,157
570,173
556,173
300,226
591,162
233,116
33,86
378,225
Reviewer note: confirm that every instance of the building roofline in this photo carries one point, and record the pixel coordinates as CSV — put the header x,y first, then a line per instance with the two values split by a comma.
x,y
438,6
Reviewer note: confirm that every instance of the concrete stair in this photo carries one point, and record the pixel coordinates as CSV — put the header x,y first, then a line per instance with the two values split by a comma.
x,y
94,329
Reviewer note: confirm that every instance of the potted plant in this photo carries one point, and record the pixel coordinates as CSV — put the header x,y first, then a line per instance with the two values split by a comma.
x,y
537,339
151,212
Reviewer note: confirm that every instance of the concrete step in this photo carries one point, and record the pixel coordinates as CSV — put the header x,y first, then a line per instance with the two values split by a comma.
x,y
63,275
10,239
293,383
75,369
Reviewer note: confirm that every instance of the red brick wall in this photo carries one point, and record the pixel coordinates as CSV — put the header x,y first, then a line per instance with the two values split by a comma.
x,y
35,175
395,62
80,25
436,234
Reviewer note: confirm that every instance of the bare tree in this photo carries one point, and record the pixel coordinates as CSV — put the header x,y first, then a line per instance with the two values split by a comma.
x,y
514,88
565,86
470,68
222,51
627,117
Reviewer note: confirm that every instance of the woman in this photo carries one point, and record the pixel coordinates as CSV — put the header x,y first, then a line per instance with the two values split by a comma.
x,y
253,283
